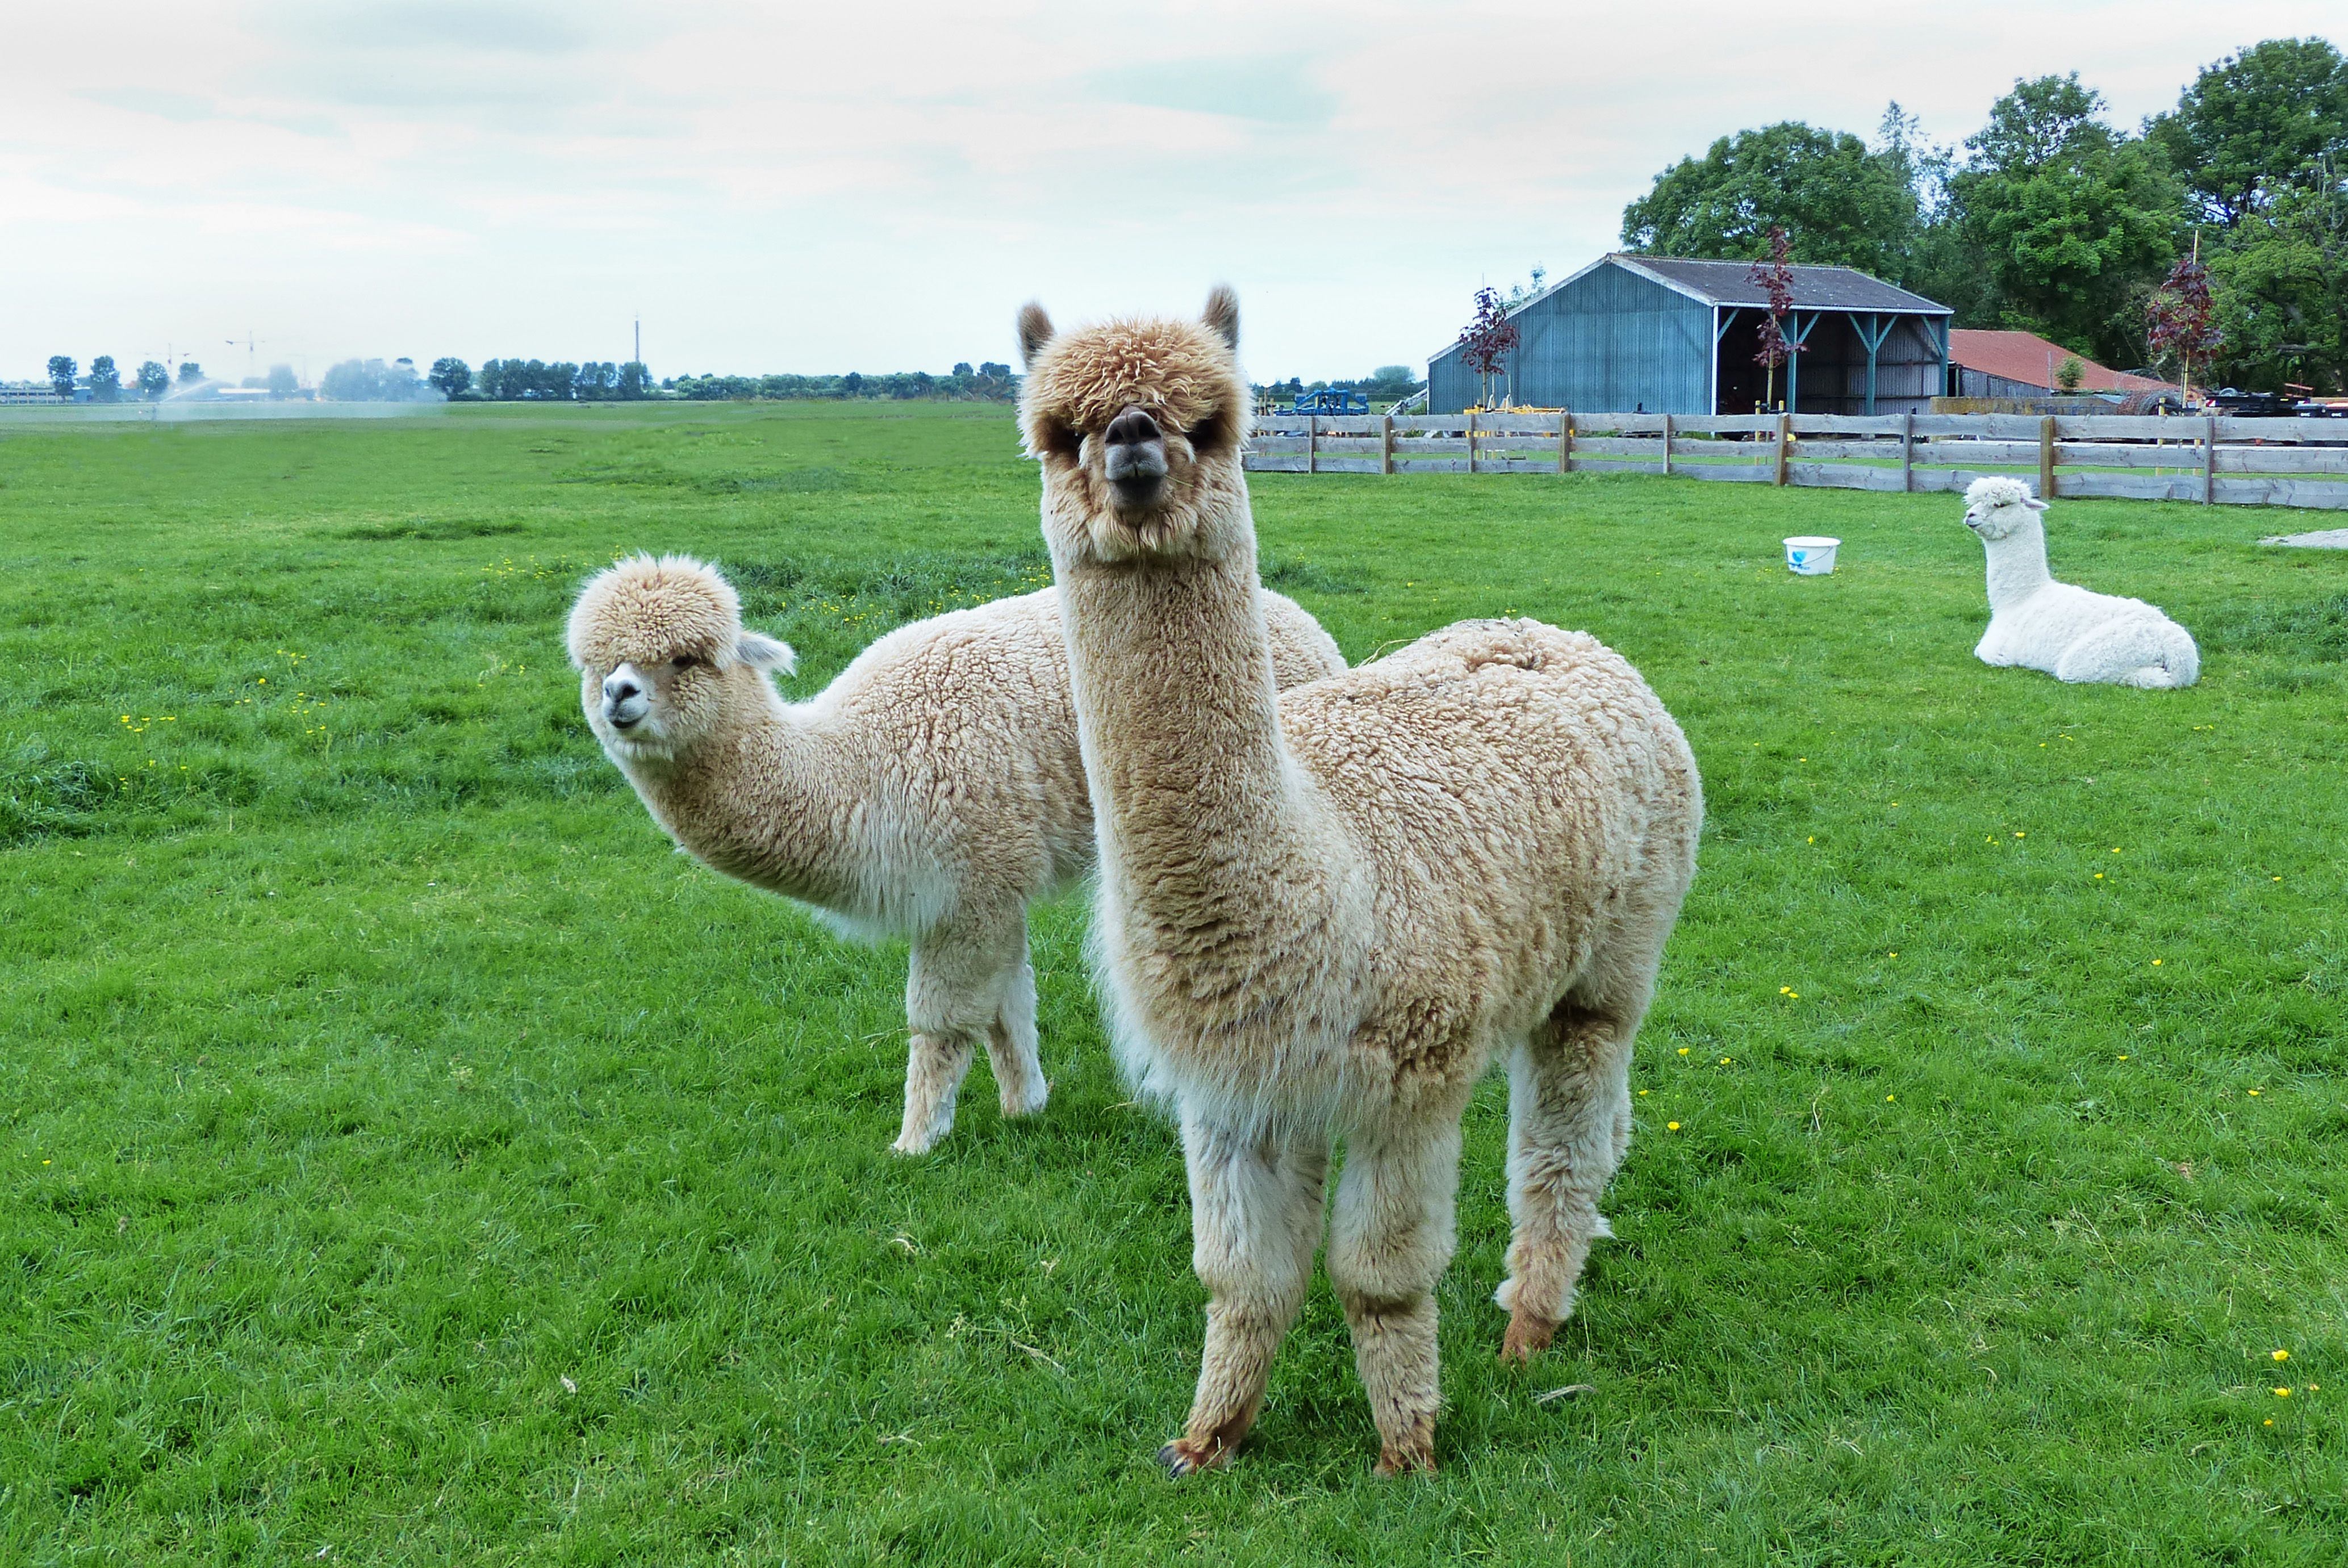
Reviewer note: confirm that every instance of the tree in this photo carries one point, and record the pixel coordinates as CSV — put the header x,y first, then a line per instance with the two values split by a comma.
x,y
852,385
1776,281
190,373
451,377
62,371
2073,222
595,381
2280,292
635,381
2255,124
2180,318
105,381
283,382
153,380
963,371
2070,373
1839,203
1487,340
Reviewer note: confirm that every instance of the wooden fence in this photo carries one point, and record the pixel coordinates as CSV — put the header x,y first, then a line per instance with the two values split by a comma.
x,y
2221,459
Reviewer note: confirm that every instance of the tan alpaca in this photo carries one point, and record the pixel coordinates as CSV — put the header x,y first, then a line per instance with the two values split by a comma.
x,y
1324,913
931,791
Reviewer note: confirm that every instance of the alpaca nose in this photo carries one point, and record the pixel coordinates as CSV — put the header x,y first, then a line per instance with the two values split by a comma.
x,y
1134,453
624,701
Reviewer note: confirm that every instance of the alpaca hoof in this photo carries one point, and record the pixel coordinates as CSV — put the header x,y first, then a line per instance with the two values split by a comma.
x,y
1185,1456
1412,1460
1026,1105
1527,1337
914,1143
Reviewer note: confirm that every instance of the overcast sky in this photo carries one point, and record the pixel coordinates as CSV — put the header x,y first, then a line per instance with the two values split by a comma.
x,y
879,186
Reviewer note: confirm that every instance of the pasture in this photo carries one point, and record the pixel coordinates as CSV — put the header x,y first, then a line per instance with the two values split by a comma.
x,y
405,1156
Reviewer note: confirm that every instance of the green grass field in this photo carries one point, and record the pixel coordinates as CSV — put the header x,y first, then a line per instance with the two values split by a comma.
x,y
405,1156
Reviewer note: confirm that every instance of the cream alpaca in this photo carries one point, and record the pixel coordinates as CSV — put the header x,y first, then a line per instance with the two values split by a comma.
x,y
2070,633
931,791
1325,913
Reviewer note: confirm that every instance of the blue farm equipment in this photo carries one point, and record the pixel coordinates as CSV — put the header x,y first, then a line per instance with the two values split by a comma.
x,y
1333,401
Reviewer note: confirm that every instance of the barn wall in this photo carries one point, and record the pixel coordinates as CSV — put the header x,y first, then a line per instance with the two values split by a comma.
x,y
1609,341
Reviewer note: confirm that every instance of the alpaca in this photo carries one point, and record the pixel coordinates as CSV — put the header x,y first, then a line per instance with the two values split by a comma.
x,y
1324,913
933,791
2071,634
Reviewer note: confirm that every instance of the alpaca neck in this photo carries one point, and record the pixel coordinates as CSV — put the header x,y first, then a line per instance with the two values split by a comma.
x,y
1218,854
2017,566
749,799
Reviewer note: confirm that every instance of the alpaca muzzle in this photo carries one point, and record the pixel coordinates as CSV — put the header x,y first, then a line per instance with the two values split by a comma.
x,y
625,702
1133,456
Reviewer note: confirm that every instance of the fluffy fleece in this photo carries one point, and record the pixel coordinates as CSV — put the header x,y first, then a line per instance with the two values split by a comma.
x,y
2071,634
931,791
1326,913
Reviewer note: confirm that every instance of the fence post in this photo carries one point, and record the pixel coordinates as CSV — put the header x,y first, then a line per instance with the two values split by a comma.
x,y
1385,462
1667,446
1565,441
1908,455
2046,457
2208,459
1784,442
1312,443
1472,442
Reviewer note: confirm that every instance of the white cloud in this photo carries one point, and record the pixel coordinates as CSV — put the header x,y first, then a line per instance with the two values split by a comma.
x,y
880,187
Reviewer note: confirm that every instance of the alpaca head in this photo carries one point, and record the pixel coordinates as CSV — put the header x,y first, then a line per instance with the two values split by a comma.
x,y
662,657
1138,424
1996,507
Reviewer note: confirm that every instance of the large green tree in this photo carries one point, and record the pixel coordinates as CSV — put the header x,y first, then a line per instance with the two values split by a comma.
x,y
2075,222
1839,203
2255,125
2279,284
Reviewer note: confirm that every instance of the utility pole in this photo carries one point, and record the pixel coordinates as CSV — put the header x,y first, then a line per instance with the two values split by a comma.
x,y
640,340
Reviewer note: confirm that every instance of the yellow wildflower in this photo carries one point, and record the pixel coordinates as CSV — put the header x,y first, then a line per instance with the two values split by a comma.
x,y
1668,1127
2280,1355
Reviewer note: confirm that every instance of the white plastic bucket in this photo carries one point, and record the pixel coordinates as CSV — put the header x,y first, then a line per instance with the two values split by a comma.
x,y
1809,556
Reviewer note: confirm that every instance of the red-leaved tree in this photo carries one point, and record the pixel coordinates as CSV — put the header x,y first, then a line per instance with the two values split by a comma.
x,y
1776,281
2181,319
1487,340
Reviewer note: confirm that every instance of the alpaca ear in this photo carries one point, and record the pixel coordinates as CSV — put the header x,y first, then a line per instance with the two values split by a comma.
x,y
761,652
2034,503
1035,332
1223,313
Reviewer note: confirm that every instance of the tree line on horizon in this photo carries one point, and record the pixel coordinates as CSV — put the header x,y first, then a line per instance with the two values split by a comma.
x,y
533,380
2051,220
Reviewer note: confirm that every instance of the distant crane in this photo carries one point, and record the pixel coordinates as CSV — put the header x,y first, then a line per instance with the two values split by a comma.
x,y
252,365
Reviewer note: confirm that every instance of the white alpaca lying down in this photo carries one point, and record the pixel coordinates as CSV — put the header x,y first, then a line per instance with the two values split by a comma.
x,y
2071,634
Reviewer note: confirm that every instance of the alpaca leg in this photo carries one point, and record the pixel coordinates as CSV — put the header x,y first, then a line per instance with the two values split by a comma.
x,y
1390,1238
1568,1126
1255,1215
1011,1041
953,987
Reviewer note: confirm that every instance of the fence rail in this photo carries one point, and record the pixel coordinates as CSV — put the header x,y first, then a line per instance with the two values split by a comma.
x,y
2220,459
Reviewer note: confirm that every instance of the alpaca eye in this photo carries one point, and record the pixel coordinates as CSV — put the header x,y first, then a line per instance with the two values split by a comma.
x,y
684,661
1206,435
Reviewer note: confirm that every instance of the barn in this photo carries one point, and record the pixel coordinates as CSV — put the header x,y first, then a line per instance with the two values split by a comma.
x,y
1660,335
